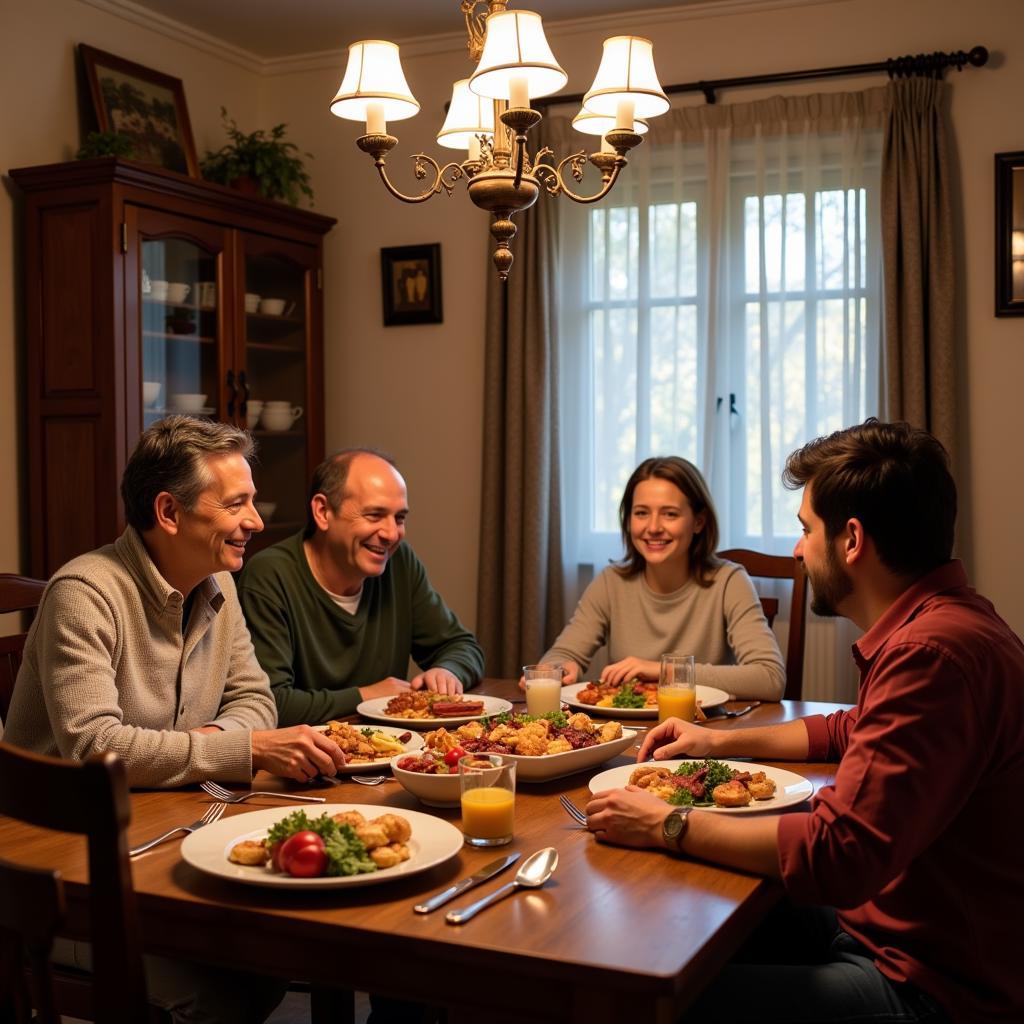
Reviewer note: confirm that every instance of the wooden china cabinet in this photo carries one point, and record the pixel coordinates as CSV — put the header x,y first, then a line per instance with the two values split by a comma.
x,y
148,292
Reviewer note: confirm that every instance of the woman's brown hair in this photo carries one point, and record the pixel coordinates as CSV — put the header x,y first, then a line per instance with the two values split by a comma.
x,y
687,477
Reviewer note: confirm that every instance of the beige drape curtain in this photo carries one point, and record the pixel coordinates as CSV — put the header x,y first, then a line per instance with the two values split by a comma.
x,y
520,606
917,256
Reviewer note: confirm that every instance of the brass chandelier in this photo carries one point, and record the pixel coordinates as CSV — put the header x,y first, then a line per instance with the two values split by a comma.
x,y
490,114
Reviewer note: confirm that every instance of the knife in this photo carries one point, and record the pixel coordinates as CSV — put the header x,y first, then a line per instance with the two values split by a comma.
x,y
489,871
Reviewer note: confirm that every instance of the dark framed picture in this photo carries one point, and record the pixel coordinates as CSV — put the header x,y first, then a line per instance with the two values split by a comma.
x,y
1010,234
146,106
411,282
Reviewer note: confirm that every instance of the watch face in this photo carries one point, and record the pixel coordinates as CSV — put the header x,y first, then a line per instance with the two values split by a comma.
x,y
672,826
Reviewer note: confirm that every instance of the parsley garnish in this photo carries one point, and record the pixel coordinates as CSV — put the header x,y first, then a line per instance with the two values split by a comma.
x,y
627,697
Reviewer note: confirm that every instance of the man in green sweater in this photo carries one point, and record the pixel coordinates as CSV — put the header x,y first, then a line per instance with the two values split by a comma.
x,y
336,612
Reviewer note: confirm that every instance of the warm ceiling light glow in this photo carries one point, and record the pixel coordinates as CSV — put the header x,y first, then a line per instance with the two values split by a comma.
x,y
490,115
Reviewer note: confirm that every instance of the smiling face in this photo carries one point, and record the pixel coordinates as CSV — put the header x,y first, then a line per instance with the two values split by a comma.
x,y
363,532
662,524
211,537
830,582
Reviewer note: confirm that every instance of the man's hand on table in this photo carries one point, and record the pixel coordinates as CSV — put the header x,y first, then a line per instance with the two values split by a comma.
x,y
627,817
437,680
620,672
299,752
676,738
389,687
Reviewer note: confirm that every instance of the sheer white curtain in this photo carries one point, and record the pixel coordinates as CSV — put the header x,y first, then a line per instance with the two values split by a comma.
x,y
722,304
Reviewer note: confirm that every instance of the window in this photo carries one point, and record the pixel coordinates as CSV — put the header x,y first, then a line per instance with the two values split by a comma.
x,y
727,320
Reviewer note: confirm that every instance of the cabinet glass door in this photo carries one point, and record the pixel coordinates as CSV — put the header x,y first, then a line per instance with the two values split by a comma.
x,y
180,325
275,384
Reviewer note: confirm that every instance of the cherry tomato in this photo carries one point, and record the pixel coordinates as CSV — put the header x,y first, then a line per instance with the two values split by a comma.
x,y
452,757
303,855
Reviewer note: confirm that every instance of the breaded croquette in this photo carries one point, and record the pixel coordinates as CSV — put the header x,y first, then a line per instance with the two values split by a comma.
x,y
251,852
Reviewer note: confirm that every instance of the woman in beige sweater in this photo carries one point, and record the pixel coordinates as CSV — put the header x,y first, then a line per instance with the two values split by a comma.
x,y
670,594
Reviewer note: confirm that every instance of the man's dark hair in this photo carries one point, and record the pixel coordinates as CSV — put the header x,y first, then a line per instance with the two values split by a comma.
x,y
171,456
329,479
894,478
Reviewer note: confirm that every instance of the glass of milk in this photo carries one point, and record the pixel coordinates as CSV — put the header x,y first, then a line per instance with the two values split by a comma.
x,y
543,688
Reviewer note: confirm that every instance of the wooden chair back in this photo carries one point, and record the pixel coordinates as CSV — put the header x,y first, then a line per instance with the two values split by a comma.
x,y
85,798
17,594
781,567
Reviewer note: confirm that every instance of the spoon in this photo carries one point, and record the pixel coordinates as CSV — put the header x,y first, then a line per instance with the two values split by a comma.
x,y
536,870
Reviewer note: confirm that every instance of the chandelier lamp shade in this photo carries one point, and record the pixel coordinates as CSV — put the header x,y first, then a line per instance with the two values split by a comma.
x,y
490,115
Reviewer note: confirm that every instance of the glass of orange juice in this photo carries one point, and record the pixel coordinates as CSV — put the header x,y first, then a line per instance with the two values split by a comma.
x,y
487,783
677,688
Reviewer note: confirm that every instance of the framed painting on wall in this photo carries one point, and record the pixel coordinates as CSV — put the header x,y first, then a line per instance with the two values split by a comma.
x,y
143,105
1010,234
411,284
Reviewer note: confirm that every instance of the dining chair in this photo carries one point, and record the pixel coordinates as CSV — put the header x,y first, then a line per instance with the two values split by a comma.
x,y
87,798
17,594
781,567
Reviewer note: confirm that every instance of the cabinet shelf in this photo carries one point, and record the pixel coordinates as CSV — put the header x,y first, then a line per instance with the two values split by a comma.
x,y
201,339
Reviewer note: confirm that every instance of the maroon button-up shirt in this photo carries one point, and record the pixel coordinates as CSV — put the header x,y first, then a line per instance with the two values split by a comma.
x,y
920,841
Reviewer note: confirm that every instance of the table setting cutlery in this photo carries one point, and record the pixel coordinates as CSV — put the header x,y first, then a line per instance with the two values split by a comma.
x,y
534,872
213,813
722,713
371,780
226,796
495,867
573,811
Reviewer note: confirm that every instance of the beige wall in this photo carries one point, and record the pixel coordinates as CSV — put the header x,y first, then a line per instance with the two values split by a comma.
x,y
416,390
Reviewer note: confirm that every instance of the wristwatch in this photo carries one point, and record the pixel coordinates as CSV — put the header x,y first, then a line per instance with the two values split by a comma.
x,y
673,828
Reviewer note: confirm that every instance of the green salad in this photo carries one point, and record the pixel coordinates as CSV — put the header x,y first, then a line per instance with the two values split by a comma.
x,y
627,697
717,774
346,852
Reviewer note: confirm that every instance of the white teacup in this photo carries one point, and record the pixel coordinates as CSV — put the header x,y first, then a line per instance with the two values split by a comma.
x,y
253,408
252,302
280,415
151,391
187,402
266,510
272,307
177,291
158,290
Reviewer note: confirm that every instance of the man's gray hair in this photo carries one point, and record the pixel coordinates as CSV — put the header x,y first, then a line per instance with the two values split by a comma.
x,y
171,456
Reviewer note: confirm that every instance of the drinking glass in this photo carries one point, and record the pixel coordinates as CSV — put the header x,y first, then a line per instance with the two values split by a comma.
x,y
543,688
487,783
677,688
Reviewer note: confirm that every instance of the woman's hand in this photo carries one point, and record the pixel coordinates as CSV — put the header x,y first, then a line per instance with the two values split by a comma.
x,y
630,668
673,738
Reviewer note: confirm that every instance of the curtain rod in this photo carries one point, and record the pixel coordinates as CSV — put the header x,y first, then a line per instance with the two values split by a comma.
x,y
931,64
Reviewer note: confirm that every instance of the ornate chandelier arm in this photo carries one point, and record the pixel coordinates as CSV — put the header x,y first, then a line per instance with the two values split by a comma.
x,y
378,146
609,164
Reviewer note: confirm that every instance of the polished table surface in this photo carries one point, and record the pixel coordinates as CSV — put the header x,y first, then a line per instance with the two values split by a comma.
x,y
615,934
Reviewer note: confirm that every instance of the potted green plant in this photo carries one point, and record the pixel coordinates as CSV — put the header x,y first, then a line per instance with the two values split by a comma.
x,y
263,158
105,144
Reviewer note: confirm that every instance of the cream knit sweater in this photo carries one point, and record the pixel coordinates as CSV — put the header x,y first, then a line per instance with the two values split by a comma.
x,y
106,668
723,626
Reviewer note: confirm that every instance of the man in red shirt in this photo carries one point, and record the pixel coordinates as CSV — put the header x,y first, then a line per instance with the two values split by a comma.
x,y
904,879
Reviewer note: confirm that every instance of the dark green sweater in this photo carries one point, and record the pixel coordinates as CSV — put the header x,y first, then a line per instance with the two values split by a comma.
x,y
316,654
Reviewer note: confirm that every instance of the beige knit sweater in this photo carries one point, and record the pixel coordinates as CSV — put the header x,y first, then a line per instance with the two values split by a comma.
x,y
722,625
106,668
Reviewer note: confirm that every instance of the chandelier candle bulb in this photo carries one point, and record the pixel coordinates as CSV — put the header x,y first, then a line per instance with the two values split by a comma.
x,y
375,123
624,115
606,146
519,93
474,148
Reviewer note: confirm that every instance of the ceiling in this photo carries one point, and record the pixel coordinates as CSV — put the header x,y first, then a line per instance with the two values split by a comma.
x,y
269,29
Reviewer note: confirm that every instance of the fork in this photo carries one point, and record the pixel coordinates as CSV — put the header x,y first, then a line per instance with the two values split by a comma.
x,y
573,811
213,812
231,798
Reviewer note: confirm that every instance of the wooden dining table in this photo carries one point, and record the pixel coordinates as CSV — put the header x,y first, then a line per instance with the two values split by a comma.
x,y
615,934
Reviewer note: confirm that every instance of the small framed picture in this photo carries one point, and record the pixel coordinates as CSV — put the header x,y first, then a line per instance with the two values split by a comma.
x,y
1010,234
411,282
146,106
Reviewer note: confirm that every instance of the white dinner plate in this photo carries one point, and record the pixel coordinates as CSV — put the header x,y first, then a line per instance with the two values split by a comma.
x,y
433,842
555,766
708,696
374,710
415,742
790,788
